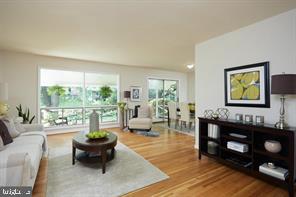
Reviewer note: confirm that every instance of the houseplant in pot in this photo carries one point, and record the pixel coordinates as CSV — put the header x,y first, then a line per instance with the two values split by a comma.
x,y
121,106
55,92
25,115
105,92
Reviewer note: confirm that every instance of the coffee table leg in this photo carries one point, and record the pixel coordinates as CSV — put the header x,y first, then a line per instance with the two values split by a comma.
x,y
73,155
112,153
104,159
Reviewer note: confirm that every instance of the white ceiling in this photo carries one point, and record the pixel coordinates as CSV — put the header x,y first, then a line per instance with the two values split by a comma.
x,y
159,34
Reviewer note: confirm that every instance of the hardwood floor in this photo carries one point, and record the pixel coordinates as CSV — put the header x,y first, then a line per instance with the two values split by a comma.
x,y
173,153
41,180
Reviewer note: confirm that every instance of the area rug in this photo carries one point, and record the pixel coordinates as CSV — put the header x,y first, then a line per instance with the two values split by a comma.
x,y
127,172
148,133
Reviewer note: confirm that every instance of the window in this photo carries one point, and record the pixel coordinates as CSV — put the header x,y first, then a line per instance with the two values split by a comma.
x,y
67,98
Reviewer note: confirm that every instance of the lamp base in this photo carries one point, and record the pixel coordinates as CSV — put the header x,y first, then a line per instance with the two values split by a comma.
x,y
281,125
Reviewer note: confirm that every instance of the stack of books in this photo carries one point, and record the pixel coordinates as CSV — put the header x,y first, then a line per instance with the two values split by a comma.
x,y
236,146
278,172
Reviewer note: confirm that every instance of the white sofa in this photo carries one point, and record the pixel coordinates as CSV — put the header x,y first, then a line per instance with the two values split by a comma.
x,y
20,160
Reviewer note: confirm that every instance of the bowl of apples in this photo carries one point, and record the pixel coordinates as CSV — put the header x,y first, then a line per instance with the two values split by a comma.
x,y
97,135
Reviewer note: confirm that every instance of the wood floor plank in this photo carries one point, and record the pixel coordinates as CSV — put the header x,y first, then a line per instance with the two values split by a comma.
x,y
174,154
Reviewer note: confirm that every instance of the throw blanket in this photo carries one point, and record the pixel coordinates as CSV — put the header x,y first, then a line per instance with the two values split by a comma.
x,y
44,145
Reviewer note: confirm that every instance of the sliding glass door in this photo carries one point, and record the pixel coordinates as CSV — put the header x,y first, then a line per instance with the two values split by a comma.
x,y
160,92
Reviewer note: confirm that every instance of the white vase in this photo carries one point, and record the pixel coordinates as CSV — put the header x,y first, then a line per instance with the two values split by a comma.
x,y
94,123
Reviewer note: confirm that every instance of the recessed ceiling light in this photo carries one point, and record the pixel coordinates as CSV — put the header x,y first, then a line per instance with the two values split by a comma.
x,y
190,66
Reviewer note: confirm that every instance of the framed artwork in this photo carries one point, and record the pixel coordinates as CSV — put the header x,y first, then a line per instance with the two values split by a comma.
x,y
247,86
136,93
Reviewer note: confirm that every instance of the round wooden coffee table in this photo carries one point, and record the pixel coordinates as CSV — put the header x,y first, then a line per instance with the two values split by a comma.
x,y
81,142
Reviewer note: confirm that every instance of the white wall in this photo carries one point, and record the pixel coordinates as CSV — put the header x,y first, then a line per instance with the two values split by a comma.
x,y
20,71
272,40
1,69
191,87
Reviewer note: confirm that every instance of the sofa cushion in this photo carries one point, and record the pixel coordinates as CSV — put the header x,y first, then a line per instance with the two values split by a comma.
x,y
7,139
28,139
140,123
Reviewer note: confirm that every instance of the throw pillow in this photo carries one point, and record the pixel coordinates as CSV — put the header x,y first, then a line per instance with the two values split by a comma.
x,y
2,147
7,139
11,127
19,126
143,112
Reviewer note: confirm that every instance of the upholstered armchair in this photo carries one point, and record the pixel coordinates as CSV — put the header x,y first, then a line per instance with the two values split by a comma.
x,y
142,119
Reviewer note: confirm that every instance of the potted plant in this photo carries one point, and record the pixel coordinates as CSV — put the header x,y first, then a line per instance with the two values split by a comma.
x,y
24,115
121,106
55,92
105,92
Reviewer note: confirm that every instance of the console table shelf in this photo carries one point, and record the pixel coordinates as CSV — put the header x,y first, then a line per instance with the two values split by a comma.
x,y
228,137
272,155
256,135
247,155
211,139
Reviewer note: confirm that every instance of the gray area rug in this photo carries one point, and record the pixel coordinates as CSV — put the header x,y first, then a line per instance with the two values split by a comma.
x,y
127,172
148,133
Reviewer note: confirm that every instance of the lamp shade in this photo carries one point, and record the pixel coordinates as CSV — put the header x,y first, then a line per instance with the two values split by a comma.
x,y
3,91
127,94
283,84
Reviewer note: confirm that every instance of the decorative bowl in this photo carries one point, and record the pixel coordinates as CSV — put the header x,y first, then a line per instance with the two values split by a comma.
x,y
97,135
272,146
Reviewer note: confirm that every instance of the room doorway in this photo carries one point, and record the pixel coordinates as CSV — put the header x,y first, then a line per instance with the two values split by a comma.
x,y
160,92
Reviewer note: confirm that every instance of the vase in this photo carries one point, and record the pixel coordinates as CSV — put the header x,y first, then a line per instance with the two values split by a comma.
x,y
55,100
121,119
94,122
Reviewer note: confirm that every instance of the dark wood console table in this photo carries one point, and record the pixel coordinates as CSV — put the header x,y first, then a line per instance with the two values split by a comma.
x,y
256,155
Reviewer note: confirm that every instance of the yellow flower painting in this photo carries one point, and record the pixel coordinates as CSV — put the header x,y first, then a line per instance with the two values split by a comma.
x,y
248,85
245,86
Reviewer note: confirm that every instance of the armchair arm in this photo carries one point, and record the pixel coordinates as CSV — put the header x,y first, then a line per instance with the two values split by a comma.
x,y
33,127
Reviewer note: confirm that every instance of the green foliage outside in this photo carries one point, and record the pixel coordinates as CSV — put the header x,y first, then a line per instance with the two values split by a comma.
x,y
56,89
164,96
73,97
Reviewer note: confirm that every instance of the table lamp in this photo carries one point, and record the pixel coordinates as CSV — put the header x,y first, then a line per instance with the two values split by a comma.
x,y
283,84
127,95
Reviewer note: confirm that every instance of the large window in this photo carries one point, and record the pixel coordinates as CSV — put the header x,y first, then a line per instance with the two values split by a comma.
x,y
67,98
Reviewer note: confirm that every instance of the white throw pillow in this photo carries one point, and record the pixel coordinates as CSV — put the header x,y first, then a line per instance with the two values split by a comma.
x,y
11,127
19,126
143,112
2,146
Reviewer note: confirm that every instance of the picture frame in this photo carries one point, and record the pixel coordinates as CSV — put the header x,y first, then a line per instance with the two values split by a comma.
x,y
247,86
136,93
